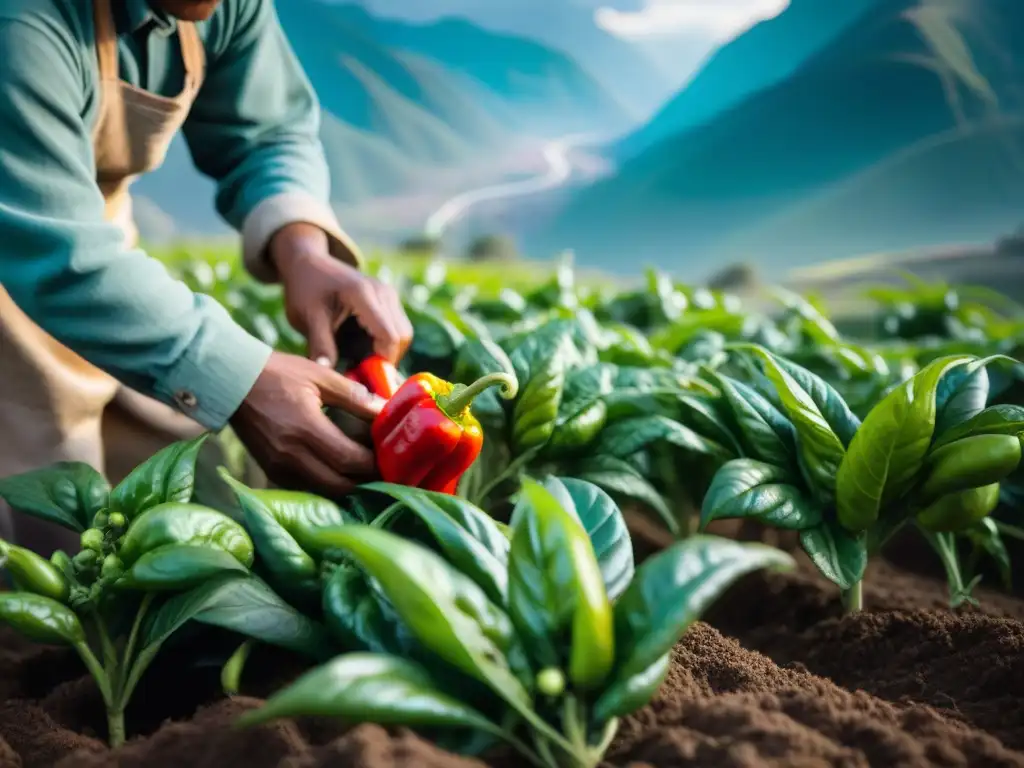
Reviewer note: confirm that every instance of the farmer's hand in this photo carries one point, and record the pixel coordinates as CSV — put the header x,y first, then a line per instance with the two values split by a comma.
x,y
321,292
282,423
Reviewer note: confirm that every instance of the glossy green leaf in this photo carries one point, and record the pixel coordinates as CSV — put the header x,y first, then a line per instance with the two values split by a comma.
x,y
175,567
603,521
827,401
620,478
540,363
745,488
768,435
467,537
820,448
626,695
961,394
841,556
41,619
290,568
888,452
479,357
369,688
624,438
68,494
300,514
243,604
435,336
556,588
169,475
672,589
360,617
994,420
446,611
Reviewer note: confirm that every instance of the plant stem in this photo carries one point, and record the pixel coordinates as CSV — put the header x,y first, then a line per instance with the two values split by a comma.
x,y
115,712
853,598
461,397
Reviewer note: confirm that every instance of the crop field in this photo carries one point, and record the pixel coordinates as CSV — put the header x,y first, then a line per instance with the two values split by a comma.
x,y
702,530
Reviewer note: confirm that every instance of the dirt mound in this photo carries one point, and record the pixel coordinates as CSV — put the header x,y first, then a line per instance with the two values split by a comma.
x,y
725,706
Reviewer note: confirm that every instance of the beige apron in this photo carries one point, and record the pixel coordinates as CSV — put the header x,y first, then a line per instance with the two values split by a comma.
x,y
55,406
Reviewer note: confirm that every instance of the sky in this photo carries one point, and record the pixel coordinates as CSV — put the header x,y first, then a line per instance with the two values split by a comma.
x,y
714,20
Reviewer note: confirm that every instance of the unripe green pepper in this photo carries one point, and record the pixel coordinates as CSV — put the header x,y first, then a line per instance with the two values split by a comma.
x,y
971,463
178,523
117,521
33,573
959,511
92,539
551,681
41,618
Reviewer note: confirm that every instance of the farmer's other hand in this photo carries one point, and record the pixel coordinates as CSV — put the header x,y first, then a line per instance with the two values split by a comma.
x,y
321,292
282,423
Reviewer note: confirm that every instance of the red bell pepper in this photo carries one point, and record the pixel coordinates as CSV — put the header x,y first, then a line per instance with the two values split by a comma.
x,y
378,375
426,436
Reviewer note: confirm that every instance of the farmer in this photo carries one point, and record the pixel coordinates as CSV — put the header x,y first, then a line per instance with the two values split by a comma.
x,y
101,351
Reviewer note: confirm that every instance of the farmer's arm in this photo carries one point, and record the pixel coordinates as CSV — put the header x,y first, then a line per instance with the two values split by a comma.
x,y
67,268
255,130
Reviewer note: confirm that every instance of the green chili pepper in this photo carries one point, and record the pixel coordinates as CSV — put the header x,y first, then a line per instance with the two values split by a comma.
x,y
180,523
41,618
970,463
959,511
34,574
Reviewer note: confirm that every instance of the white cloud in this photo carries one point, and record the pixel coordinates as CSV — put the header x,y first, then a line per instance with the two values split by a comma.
x,y
718,19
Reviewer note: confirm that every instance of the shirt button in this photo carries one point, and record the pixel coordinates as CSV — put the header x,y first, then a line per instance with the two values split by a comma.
x,y
186,399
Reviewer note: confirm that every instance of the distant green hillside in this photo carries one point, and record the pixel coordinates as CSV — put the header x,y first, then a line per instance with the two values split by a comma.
x,y
401,100
900,77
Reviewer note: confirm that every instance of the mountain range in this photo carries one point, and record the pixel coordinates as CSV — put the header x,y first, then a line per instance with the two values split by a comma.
x,y
809,138
630,74
402,102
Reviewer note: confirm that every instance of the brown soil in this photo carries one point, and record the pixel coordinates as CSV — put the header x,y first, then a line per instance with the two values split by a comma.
x,y
775,677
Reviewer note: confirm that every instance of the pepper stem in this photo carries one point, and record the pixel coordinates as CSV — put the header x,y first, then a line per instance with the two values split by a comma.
x,y
462,396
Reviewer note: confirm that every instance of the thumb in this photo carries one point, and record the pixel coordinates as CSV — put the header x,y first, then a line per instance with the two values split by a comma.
x,y
320,334
350,396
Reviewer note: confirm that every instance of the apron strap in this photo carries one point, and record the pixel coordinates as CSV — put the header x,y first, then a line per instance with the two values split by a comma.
x,y
192,52
106,40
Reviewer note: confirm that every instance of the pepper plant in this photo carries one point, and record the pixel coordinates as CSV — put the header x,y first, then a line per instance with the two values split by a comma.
x,y
597,404
928,454
541,635
150,562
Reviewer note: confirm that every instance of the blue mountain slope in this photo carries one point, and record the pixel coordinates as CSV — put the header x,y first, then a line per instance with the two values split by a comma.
x,y
564,25
907,71
766,54
546,85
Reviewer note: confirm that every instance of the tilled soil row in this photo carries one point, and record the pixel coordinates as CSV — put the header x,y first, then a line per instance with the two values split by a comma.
x,y
776,676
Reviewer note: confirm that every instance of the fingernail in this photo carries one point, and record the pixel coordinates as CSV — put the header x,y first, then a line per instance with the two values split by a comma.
x,y
324,361
377,402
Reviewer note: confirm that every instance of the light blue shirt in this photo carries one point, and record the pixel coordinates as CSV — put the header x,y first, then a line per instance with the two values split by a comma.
x,y
253,129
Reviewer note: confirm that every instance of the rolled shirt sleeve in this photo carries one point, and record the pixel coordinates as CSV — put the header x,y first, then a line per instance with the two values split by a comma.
x,y
69,270
255,130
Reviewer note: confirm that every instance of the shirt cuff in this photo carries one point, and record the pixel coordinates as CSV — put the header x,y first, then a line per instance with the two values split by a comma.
x,y
216,373
264,221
